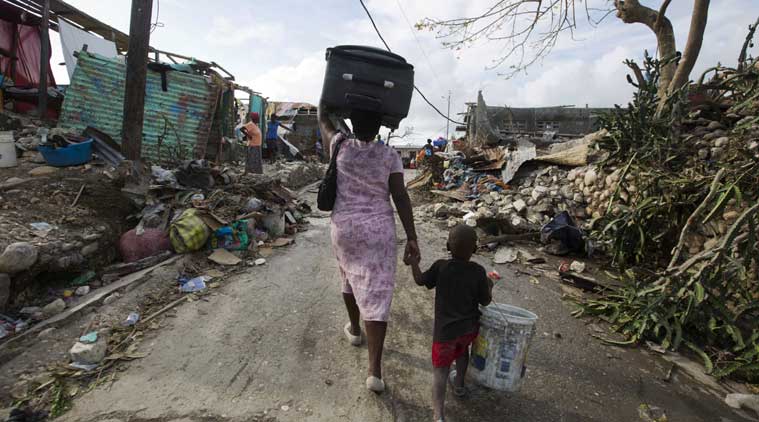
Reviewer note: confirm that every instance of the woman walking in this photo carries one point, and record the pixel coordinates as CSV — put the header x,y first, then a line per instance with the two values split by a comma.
x,y
363,230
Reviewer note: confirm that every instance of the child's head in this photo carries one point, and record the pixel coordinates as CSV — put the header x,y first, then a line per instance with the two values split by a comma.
x,y
462,242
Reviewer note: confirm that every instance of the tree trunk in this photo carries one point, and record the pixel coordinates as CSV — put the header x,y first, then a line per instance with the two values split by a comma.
x,y
692,46
631,11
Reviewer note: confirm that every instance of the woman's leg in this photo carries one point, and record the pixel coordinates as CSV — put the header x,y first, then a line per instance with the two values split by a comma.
x,y
439,382
375,337
353,313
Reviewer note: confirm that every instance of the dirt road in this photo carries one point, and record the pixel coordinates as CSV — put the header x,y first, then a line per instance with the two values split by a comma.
x,y
269,347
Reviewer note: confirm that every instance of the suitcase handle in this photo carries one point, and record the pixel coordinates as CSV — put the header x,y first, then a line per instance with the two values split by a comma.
x,y
363,102
381,84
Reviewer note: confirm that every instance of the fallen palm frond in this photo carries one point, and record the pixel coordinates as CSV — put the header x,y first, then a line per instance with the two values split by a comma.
x,y
686,242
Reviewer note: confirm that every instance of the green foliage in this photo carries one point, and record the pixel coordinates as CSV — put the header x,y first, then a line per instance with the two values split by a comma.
x,y
707,304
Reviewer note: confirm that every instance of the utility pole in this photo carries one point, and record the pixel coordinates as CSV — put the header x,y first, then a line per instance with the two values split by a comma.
x,y
136,75
448,122
44,60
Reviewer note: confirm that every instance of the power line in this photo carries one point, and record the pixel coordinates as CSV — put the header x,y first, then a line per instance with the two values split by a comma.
x,y
419,44
415,87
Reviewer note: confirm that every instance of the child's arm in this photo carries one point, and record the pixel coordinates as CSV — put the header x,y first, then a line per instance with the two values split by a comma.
x,y
417,272
487,295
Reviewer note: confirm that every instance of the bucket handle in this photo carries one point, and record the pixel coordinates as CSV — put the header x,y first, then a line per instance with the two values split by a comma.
x,y
381,84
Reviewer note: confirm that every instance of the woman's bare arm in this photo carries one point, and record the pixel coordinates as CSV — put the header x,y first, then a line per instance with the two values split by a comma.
x,y
406,214
326,127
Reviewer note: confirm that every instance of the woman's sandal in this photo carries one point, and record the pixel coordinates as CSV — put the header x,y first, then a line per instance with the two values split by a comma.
x,y
457,391
354,340
375,384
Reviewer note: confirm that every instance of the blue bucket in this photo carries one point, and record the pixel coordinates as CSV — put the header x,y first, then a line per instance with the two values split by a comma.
x,y
72,155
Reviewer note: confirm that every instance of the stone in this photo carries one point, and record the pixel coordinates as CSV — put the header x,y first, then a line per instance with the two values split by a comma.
x,y
531,202
517,221
730,215
717,152
714,135
721,142
519,205
488,199
5,290
703,153
440,210
46,332
745,401
578,198
42,171
754,145
452,223
92,236
566,192
18,257
67,262
111,298
54,308
90,249
714,125
37,158
89,354
82,290
539,192
590,177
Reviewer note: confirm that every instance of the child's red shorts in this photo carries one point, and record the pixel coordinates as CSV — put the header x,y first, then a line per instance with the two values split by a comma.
x,y
445,353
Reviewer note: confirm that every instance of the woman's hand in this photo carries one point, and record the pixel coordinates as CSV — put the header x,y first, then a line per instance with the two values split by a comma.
x,y
412,253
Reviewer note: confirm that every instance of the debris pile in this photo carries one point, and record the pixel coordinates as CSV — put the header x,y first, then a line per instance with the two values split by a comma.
x,y
298,174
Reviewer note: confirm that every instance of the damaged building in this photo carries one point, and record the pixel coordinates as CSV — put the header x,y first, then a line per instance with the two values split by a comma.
x,y
190,107
488,125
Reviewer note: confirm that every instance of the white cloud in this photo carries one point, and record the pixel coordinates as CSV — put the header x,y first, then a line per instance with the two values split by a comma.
x,y
226,32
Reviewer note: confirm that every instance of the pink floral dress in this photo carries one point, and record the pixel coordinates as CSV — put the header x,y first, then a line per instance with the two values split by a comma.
x,y
363,224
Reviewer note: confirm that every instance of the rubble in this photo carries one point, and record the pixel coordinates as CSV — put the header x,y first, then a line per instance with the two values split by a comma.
x,y
18,257
89,353
297,174
54,308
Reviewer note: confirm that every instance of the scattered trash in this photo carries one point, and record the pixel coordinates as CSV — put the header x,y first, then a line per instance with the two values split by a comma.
x,y
494,275
132,319
253,205
648,413
83,366
88,338
84,278
577,266
42,226
260,261
21,326
3,331
505,255
193,285
281,242
224,257
82,291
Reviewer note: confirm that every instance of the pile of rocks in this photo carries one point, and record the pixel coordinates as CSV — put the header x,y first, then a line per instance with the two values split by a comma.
x,y
297,174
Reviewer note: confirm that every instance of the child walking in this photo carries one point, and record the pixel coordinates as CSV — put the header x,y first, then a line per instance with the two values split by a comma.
x,y
461,287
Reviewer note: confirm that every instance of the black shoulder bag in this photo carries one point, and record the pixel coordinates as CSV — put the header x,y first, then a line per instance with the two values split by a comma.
x,y
325,200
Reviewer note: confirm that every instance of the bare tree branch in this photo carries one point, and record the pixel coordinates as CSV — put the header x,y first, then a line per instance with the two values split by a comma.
x,y
692,46
662,13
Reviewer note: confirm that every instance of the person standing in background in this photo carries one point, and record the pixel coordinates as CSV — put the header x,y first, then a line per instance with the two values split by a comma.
x,y
272,137
253,136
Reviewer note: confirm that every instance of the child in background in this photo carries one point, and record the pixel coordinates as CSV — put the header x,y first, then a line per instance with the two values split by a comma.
x,y
461,286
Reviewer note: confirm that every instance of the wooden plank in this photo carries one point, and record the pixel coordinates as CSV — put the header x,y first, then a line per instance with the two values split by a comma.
x,y
94,297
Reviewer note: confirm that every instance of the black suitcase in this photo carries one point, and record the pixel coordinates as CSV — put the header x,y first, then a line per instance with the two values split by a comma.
x,y
370,79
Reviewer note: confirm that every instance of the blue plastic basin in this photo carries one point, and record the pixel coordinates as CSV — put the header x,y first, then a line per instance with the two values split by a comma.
x,y
72,155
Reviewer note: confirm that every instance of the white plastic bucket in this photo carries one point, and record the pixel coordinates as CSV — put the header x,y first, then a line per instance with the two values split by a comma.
x,y
7,150
499,353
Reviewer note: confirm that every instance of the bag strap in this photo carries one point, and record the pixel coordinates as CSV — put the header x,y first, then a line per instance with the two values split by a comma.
x,y
333,159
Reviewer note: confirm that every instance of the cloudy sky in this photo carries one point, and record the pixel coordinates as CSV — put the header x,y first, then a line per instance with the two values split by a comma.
x,y
277,48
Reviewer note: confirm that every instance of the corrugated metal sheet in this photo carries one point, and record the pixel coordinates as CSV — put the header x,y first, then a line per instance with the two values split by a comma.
x,y
177,121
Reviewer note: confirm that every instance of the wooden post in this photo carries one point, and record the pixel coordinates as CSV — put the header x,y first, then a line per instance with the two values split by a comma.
x,y
44,59
136,75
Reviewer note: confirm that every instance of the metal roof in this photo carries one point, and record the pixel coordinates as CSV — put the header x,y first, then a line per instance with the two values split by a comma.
x,y
181,116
